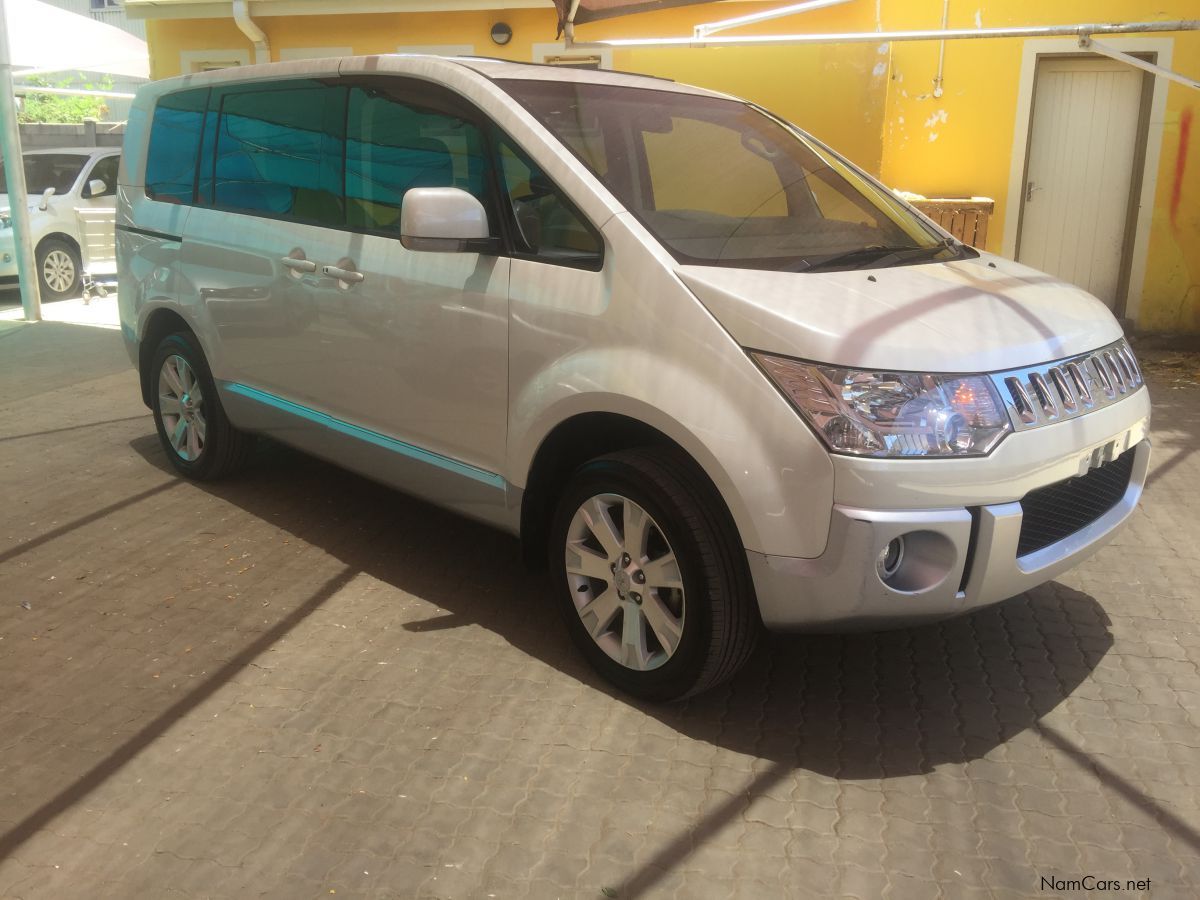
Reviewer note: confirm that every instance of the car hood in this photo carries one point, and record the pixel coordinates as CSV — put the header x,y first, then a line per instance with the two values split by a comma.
x,y
34,204
977,315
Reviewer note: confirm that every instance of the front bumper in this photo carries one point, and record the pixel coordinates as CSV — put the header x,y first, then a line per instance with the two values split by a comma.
x,y
8,257
955,564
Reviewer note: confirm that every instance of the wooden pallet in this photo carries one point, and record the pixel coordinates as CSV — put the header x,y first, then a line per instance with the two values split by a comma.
x,y
966,219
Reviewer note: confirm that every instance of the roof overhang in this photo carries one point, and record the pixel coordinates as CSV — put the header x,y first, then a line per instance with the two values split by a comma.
x,y
223,9
44,39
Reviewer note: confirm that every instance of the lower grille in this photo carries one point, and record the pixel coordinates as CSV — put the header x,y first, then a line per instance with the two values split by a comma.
x,y
1053,512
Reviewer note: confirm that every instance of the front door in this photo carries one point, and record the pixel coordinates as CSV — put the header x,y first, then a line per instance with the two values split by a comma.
x,y
430,330
1075,216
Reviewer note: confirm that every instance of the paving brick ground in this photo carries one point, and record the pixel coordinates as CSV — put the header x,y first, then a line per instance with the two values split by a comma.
x,y
297,683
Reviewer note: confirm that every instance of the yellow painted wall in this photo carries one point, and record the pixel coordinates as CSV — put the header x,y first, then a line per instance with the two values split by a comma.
x,y
872,102
961,144
798,83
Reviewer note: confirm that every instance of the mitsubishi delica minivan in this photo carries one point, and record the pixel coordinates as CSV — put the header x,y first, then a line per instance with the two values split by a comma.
x,y
708,369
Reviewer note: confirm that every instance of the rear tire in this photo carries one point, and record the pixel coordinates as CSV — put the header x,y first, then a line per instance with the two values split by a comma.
x,y
193,429
650,577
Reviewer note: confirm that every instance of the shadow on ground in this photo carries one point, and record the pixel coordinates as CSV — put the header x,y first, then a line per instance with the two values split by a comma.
x,y
852,707
871,709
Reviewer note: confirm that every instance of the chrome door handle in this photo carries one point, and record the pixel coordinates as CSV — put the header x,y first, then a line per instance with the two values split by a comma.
x,y
298,265
349,276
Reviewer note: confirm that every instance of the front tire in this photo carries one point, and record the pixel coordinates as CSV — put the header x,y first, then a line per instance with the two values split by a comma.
x,y
193,429
59,270
650,577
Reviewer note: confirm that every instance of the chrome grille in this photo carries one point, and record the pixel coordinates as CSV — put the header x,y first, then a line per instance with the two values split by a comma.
x,y
1057,391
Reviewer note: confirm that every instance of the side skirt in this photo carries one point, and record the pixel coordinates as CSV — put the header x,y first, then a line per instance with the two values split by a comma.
x,y
441,480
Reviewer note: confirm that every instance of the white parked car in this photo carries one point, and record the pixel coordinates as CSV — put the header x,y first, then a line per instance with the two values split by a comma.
x,y
711,371
58,182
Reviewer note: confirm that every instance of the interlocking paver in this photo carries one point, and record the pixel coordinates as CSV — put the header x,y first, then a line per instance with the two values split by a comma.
x,y
294,683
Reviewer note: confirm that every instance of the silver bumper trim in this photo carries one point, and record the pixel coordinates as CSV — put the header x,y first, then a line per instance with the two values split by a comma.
x,y
842,590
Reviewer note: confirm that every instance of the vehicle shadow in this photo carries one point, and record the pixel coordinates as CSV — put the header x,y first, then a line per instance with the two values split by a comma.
x,y
863,706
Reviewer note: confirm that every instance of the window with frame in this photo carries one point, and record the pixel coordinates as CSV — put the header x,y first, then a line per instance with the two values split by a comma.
x,y
174,145
105,170
393,146
548,226
279,153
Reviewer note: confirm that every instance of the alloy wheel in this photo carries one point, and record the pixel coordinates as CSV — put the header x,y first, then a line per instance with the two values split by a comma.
x,y
625,582
181,407
58,271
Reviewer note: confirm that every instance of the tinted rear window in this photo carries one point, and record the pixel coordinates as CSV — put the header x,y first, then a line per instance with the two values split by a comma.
x,y
279,153
174,146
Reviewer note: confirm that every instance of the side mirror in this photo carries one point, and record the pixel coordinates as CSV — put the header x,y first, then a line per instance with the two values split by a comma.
x,y
46,195
95,188
443,220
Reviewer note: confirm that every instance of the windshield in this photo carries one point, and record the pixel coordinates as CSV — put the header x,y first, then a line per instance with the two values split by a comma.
x,y
48,170
720,182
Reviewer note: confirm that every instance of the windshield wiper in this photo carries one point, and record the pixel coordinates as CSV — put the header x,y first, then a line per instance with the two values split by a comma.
x,y
879,255
915,252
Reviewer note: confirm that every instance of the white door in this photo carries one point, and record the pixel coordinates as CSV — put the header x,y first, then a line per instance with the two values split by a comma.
x,y
1082,146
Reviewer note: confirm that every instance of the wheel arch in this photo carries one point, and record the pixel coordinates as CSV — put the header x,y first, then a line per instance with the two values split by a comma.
x,y
584,436
59,236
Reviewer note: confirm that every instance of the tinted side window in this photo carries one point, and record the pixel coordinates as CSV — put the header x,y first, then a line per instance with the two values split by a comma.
x,y
174,144
279,153
548,226
393,146
106,171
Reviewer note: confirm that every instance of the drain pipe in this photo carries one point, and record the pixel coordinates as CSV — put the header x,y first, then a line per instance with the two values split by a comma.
x,y
937,81
241,17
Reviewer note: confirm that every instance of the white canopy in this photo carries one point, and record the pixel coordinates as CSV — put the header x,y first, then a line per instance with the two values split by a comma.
x,y
44,38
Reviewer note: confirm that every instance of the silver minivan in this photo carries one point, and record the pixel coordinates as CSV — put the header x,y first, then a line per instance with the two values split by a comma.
x,y
713,374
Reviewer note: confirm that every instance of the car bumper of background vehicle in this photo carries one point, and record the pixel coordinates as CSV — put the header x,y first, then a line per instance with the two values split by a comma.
x,y
954,561
8,258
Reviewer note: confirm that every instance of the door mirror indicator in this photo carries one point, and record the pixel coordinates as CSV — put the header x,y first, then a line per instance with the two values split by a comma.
x,y
444,220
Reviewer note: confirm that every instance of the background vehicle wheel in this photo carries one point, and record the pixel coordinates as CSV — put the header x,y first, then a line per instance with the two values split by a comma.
x,y
195,433
650,576
59,270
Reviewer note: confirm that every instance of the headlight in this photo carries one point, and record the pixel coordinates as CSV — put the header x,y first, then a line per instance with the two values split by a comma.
x,y
880,413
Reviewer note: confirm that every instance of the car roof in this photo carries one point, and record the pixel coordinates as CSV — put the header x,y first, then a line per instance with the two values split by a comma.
x,y
424,65
490,67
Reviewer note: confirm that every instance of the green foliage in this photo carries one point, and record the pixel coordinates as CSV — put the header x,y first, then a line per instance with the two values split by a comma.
x,y
61,107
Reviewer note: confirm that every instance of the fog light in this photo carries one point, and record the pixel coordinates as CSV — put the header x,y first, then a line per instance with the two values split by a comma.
x,y
917,561
8,257
890,558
